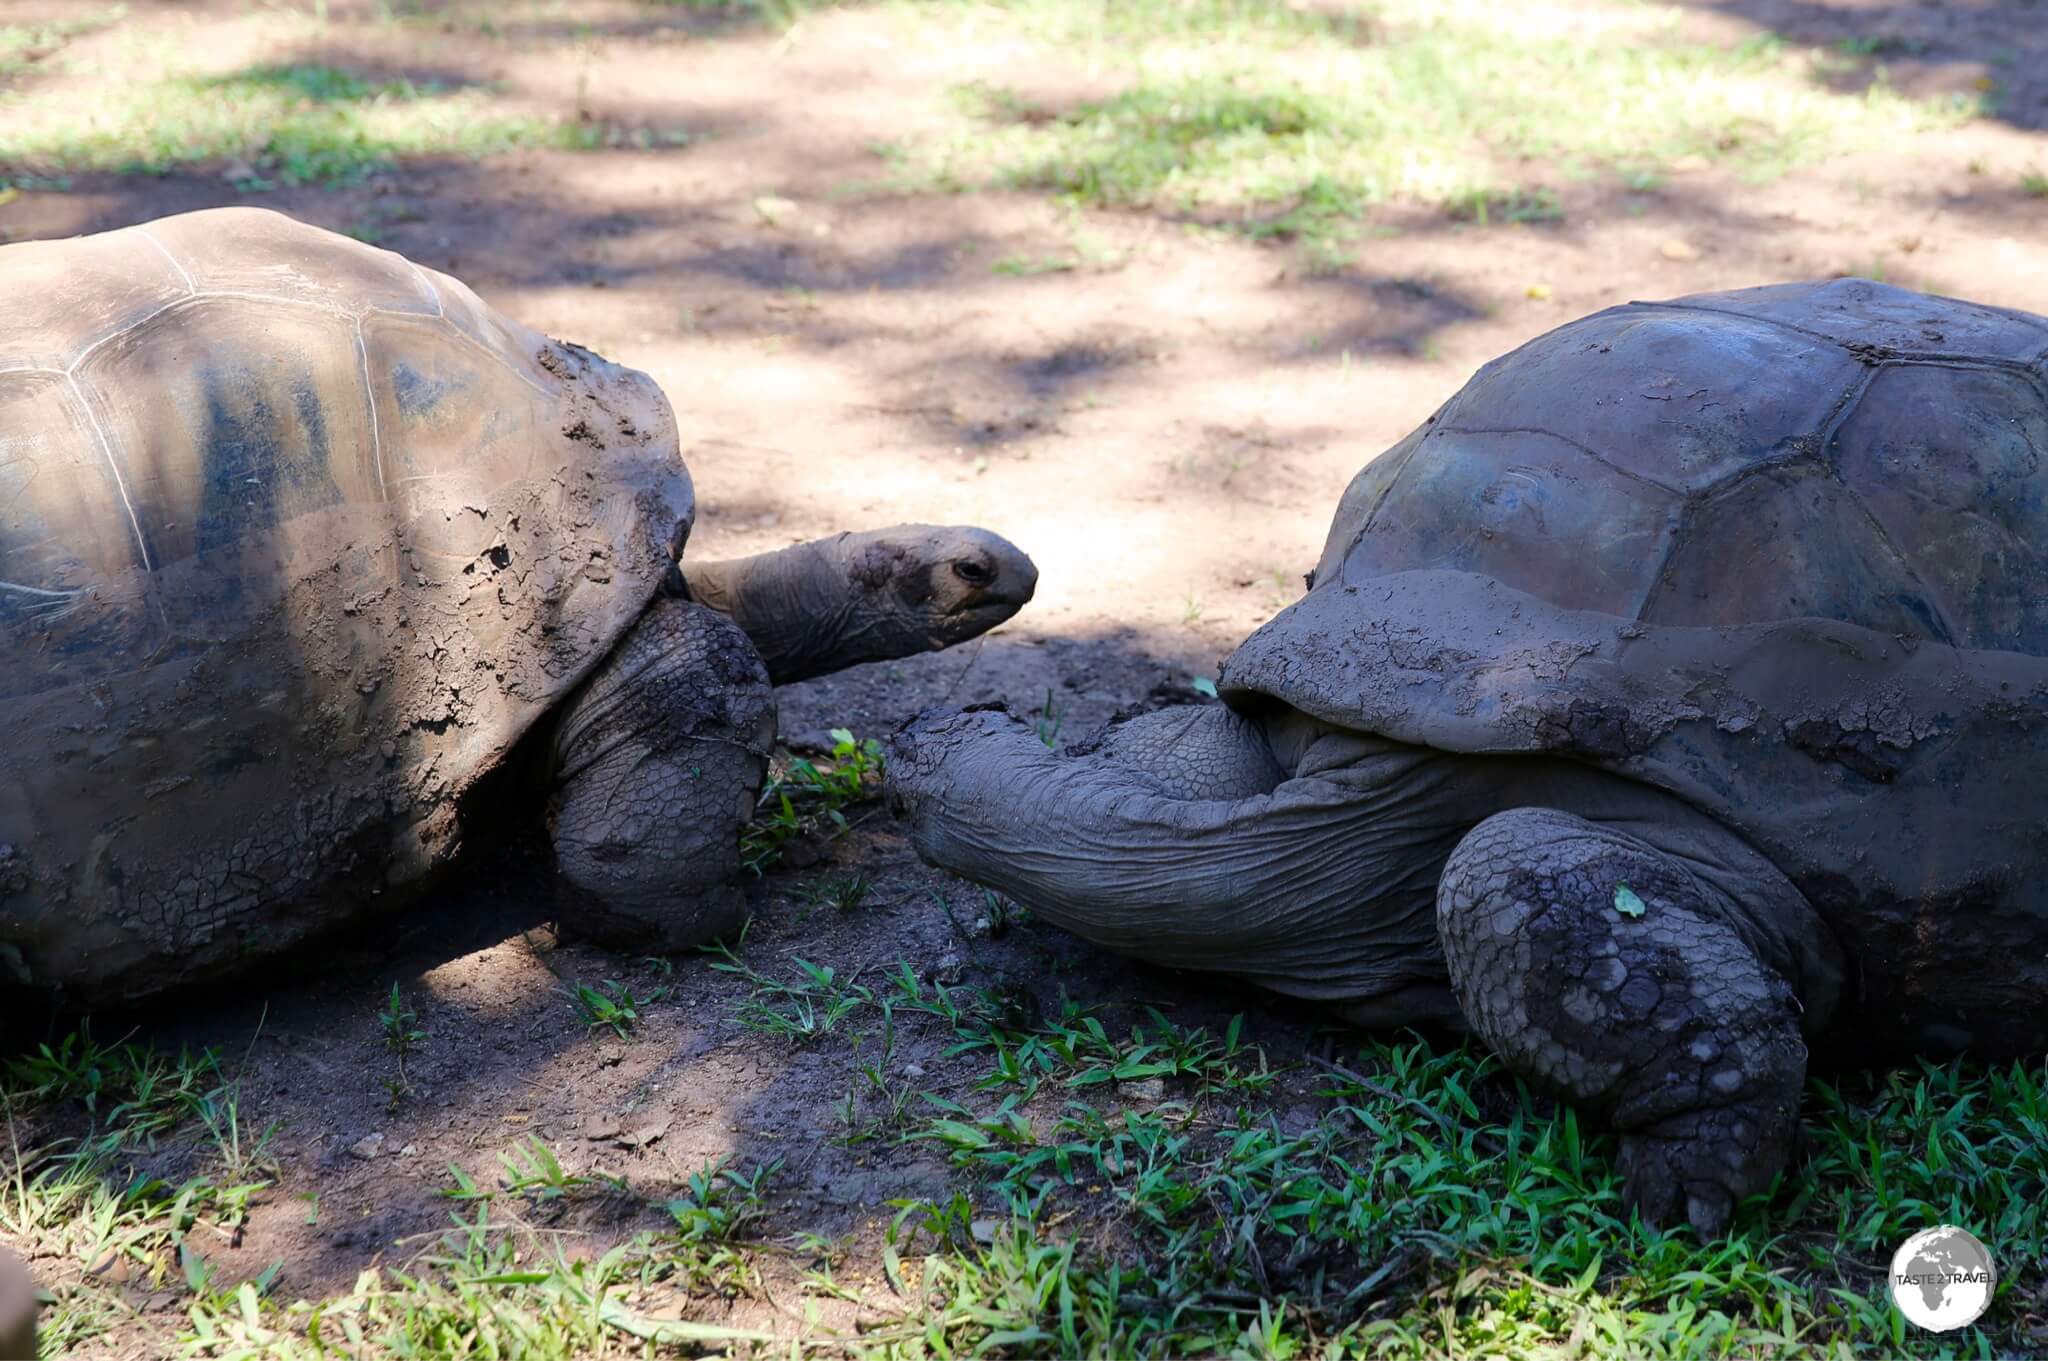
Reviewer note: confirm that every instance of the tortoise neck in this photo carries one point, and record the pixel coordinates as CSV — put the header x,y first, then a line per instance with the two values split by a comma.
x,y
801,608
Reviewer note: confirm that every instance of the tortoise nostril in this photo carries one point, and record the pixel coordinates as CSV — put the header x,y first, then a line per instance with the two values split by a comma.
x,y
974,573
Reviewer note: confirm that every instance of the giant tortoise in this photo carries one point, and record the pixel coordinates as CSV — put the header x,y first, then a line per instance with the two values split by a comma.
x,y
1672,703
312,566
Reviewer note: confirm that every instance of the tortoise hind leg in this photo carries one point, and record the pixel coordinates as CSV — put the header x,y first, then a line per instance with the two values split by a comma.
x,y
1603,969
658,761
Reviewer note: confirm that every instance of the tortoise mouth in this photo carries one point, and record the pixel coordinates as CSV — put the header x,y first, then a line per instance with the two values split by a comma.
x,y
997,601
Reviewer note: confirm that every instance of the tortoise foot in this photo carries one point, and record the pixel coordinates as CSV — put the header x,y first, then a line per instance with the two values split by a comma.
x,y
1605,971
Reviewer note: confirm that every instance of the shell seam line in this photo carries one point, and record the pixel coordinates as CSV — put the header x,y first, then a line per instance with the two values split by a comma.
x,y
38,590
370,400
189,299
440,308
183,273
1569,442
99,434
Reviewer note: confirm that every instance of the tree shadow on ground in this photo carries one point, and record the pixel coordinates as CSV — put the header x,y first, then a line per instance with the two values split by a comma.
x,y
1998,49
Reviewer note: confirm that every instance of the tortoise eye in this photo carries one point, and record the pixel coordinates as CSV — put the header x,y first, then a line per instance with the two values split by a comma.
x,y
974,573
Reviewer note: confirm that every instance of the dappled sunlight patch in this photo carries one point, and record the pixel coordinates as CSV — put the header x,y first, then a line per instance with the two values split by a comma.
x,y
1293,123
450,983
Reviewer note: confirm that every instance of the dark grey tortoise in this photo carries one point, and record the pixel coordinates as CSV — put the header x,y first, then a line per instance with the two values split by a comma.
x,y
299,542
1672,703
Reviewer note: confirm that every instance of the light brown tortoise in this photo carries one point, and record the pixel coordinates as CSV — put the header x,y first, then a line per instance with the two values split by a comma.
x,y
301,542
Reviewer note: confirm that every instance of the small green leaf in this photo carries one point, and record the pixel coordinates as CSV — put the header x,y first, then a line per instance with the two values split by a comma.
x,y
198,1272
1204,685
892,1267
1626,902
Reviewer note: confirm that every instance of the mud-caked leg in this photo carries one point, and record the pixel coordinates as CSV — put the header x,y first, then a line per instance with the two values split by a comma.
x,y
658,761
1605,970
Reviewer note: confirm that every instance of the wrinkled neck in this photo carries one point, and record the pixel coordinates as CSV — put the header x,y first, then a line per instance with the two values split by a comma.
x,y
804,610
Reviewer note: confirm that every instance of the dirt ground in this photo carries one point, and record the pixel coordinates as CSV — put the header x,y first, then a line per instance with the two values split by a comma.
x,y
1165,428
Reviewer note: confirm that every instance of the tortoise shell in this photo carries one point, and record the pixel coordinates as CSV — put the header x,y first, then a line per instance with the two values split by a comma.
x,y
297,539
1780,552
1844,450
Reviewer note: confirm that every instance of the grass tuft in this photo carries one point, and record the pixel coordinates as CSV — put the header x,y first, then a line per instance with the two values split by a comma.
x,y
611,1005
289,124
807,799
1437,1208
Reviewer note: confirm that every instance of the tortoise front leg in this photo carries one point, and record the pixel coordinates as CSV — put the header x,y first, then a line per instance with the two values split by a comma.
x,y
1603,969
658,761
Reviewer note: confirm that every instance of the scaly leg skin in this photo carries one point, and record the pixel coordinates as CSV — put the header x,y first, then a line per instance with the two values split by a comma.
x,y
658,762
1667,1023
1196,751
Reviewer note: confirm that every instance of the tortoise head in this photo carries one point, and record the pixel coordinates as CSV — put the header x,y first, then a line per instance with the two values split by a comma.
x,y
867,597
930,586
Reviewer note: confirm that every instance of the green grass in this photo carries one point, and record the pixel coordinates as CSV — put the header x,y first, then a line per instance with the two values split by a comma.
x,y
844,894
290,124
159,1176
1274,120
1434,1205
402,1037
494,1286
808,1007
1437,1208
610,1006
23,46
1128,1189
809,799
